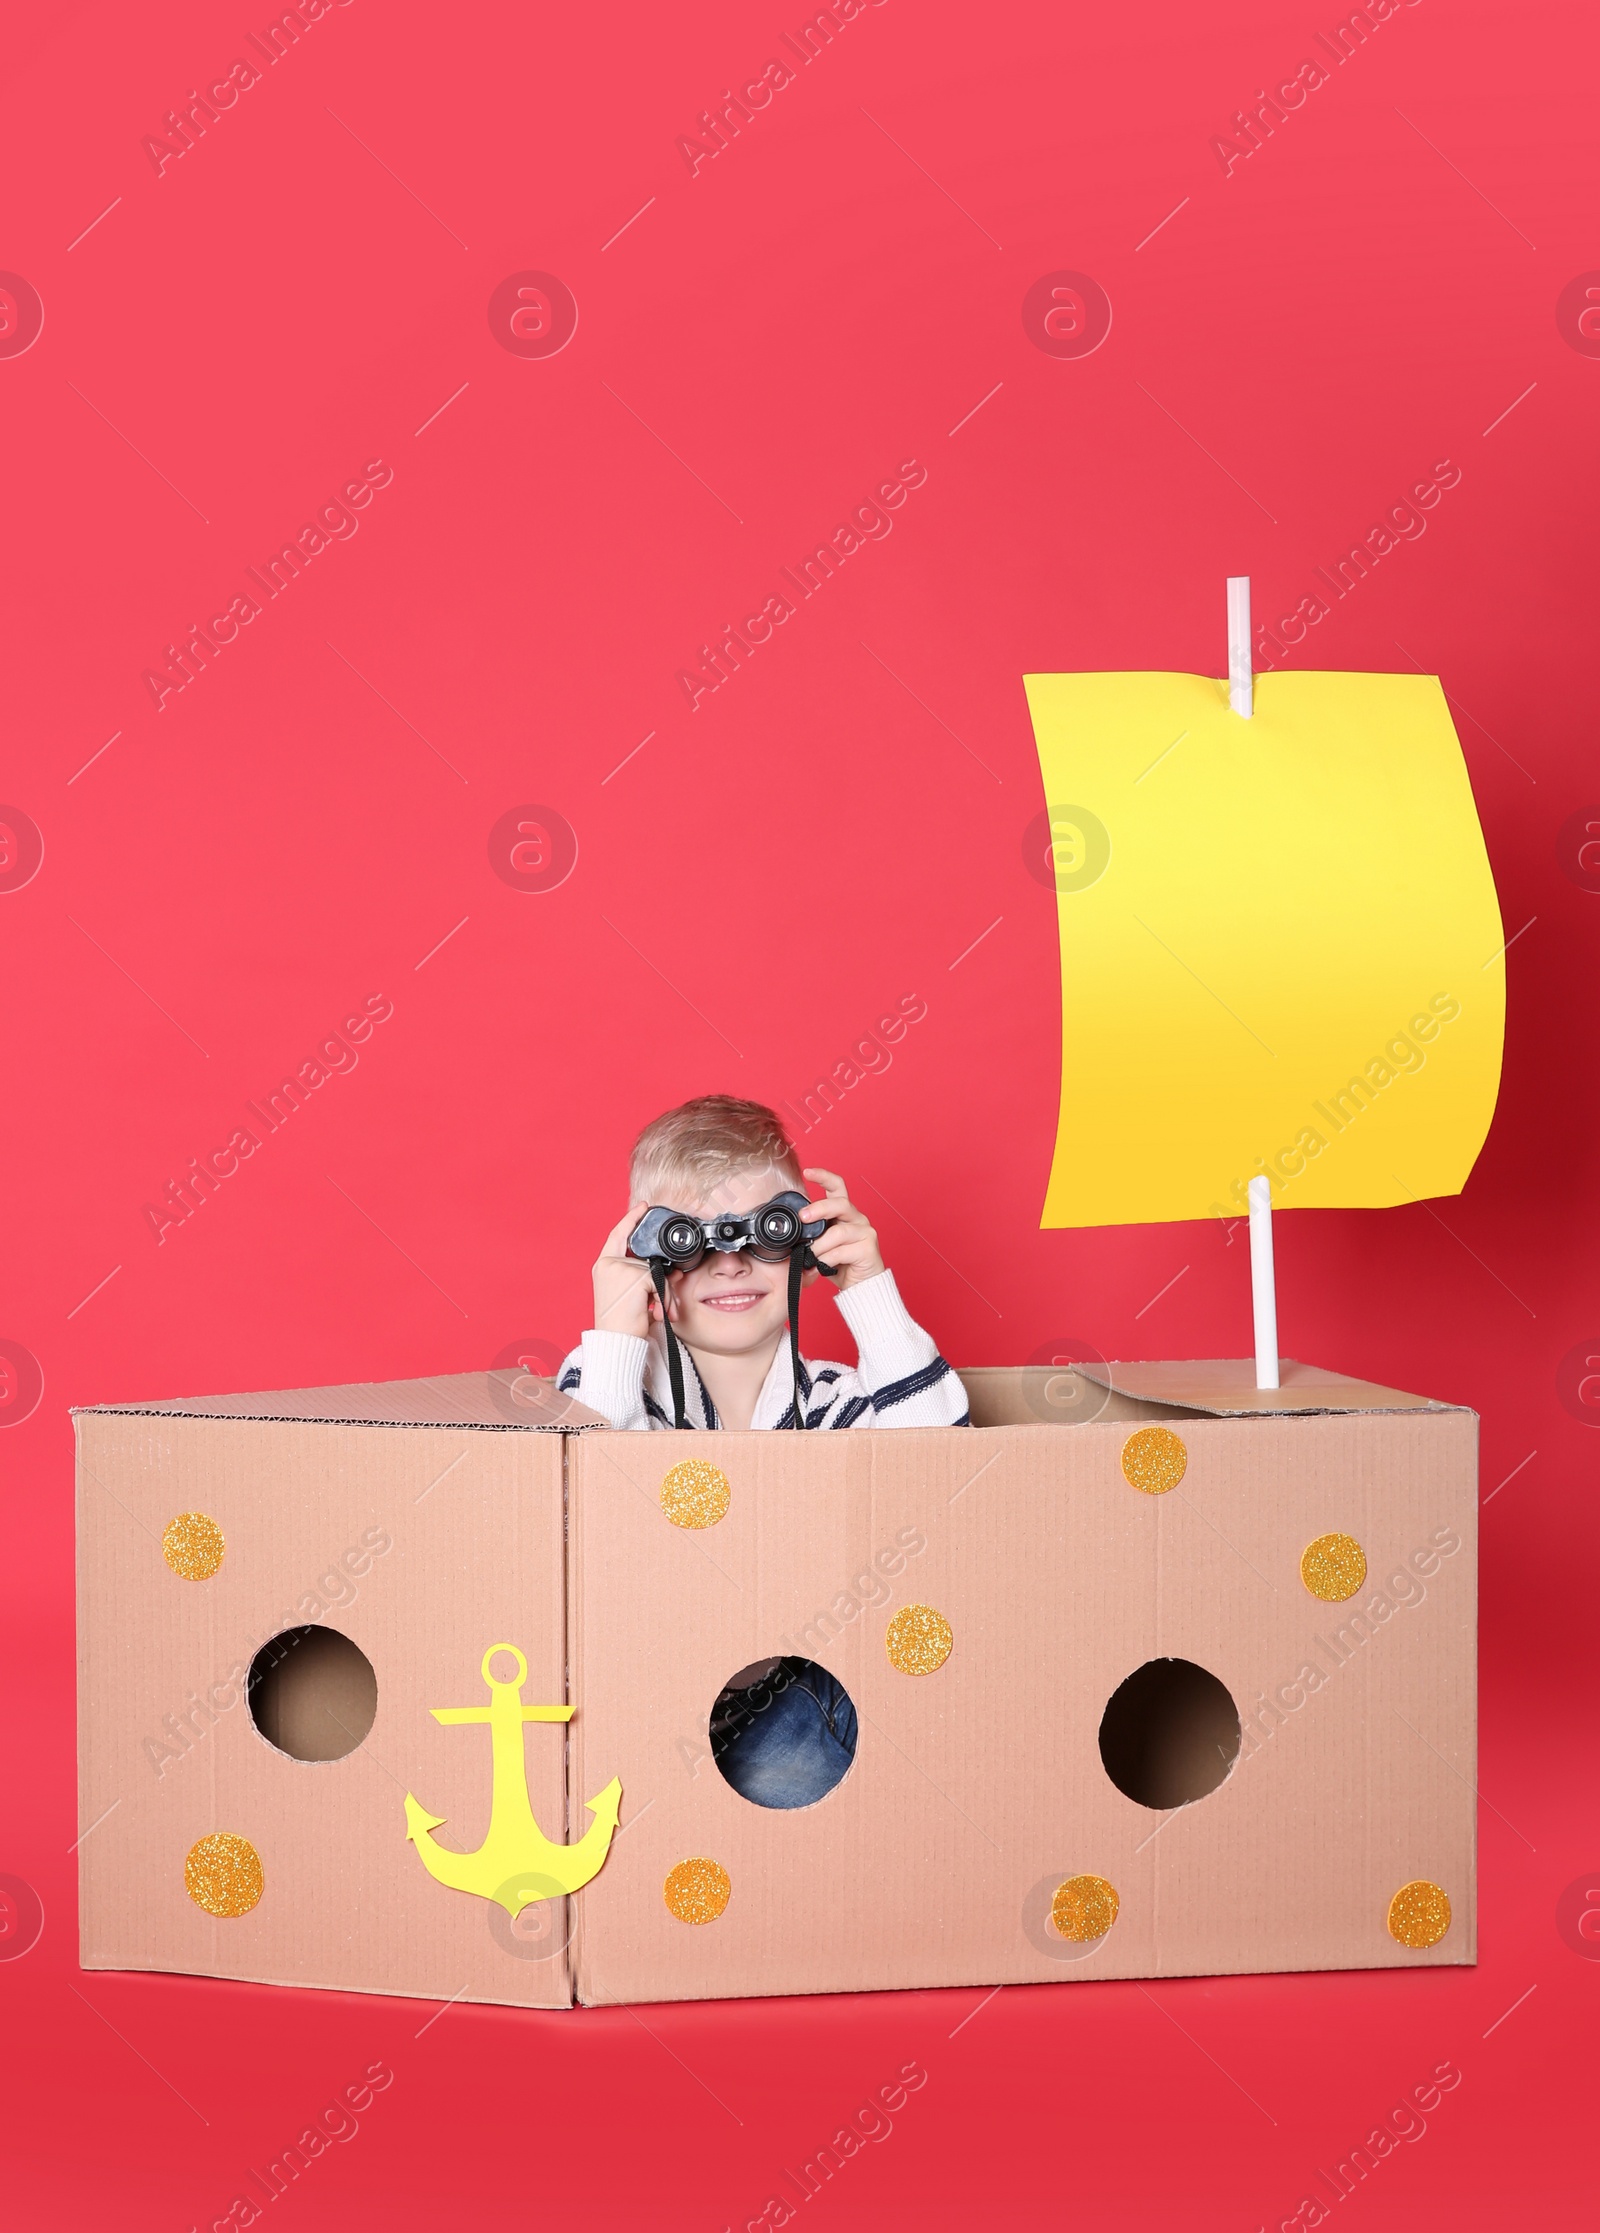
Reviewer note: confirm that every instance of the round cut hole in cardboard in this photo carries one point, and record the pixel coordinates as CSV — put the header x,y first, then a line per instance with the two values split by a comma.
x,y
313,1693
1170,1734
697,1891
1333,1567
1084,1908
1154,1459
695,1494
783,1732
1419,1913
918,1640
223,1874
192,1546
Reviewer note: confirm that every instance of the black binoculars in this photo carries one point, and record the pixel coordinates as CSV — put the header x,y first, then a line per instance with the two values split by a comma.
x,y
771,1233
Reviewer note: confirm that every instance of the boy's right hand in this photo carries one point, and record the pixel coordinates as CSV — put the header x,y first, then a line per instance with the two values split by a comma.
x,y
622,1288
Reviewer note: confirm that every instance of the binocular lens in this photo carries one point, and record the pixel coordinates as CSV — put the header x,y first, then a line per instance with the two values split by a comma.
x,y
680,1238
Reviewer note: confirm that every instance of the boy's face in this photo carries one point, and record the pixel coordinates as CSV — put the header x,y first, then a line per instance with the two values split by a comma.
x,y
731,1303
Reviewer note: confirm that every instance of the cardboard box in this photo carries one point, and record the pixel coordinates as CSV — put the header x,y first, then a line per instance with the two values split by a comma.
x,y
1338,1769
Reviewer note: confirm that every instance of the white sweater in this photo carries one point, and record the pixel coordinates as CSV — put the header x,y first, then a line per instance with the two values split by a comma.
x,y
900,1381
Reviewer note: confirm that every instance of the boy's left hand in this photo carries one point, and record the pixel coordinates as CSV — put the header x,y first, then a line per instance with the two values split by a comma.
x,y
850,1246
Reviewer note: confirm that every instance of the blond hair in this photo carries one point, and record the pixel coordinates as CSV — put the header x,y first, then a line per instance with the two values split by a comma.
x,y
689,1152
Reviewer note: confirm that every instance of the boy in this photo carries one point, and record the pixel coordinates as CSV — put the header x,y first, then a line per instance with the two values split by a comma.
x,y
730,1312
783,1732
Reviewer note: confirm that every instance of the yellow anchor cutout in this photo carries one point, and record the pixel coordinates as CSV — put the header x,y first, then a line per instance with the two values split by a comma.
x,y
516,1865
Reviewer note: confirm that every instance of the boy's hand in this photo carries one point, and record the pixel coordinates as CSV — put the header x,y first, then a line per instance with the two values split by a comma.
x,y
849,1246
622,1289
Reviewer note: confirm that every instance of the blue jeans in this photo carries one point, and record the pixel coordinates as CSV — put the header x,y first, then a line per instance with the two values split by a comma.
x,y
788,1740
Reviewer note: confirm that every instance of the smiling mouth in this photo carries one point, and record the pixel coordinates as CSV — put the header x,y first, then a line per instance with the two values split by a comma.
x,y
747,1301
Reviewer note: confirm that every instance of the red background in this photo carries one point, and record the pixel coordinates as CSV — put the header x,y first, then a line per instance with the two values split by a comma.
x,y
229,343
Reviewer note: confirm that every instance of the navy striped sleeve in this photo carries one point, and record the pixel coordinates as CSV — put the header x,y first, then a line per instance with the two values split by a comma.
x,y
914,1384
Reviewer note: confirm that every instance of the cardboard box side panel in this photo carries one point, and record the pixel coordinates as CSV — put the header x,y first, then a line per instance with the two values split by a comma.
x,y
886,1881
977,1789
130,1701
1359,1717
423,1549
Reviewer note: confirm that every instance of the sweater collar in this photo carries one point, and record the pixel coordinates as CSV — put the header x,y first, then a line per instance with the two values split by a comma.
x,y
777,1390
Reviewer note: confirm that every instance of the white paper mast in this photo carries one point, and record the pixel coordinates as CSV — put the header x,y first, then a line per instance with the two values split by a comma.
x,y
1241,683
1263,1285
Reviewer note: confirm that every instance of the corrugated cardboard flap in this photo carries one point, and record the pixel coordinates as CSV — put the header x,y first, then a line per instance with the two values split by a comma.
x,y
505,1400
1225,1387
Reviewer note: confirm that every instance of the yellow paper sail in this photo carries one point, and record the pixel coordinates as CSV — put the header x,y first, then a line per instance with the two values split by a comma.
x,y
1281,949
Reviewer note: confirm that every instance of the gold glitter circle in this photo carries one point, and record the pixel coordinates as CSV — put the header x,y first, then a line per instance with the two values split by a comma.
x,y
1333,1567
223,1874
918,1640
1419,1913
697,1891
192,1546
1154,1459
1084,1908
695,1494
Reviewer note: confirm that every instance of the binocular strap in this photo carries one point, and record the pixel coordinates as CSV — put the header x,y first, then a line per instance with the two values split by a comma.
x,y
658,1274
797,1257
